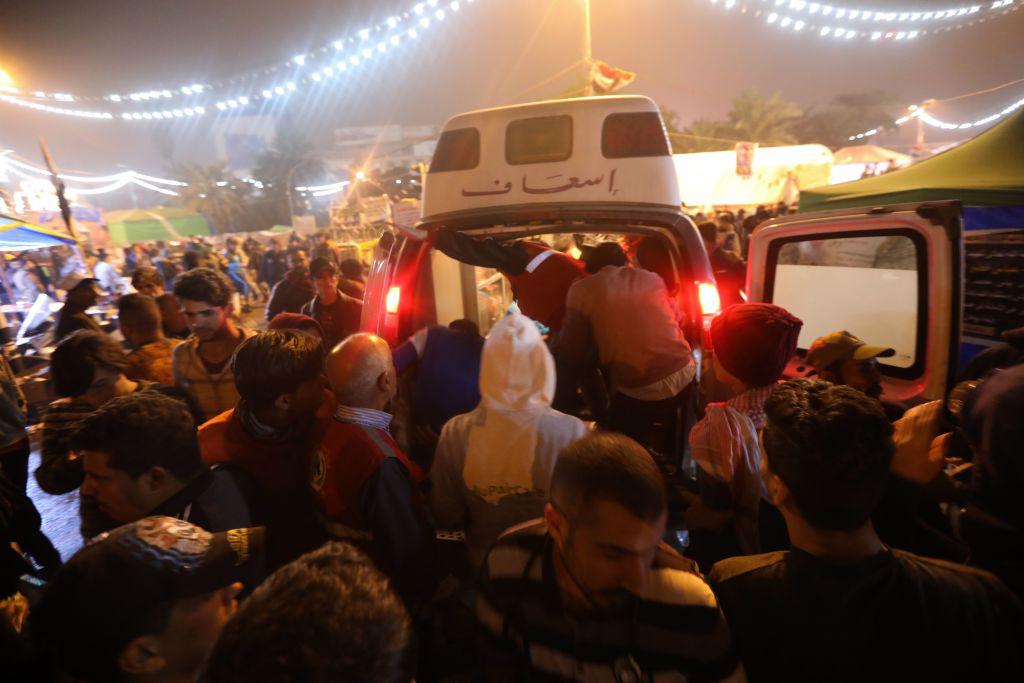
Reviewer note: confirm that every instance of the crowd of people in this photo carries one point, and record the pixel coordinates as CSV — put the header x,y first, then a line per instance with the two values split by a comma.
x,y
307,503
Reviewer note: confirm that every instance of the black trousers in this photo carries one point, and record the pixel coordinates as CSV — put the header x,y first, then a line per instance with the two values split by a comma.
x,y
659,425
14,463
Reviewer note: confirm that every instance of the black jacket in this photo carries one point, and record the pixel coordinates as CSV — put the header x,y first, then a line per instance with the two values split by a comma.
x,y
291,293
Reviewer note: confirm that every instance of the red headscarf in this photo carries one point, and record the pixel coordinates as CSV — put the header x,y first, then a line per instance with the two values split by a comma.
x,y
755,341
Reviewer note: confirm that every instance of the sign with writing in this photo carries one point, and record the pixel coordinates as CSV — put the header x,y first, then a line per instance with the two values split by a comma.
x,y
552,184
745,158
406,213
376,209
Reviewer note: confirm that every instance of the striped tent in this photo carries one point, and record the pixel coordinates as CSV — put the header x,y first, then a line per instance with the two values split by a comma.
x,y
19,235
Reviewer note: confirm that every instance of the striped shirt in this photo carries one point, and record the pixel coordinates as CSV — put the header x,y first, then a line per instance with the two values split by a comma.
x,y
367,417
674,633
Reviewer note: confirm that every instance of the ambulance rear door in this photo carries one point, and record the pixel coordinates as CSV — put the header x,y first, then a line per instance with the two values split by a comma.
x,y
890,275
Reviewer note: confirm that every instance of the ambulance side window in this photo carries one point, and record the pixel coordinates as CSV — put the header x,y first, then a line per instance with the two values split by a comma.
x,y
872,284
633,134
538,140
457,150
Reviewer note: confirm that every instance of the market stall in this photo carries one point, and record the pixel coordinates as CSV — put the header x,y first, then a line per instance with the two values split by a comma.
x,y
774,174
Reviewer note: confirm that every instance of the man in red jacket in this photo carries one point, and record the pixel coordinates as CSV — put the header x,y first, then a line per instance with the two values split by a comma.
x,y
274,432
540,276
368,486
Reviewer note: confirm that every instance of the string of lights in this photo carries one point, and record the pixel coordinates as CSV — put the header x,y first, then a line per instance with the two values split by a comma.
x,y
841,23
920,111
116,181
304,70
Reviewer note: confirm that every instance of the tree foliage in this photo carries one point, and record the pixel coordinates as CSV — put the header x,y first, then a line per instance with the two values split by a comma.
x,y
847,114
216,193
766,119
291,161
772,120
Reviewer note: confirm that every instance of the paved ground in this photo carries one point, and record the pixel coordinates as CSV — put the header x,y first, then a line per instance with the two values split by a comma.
x,y
60,513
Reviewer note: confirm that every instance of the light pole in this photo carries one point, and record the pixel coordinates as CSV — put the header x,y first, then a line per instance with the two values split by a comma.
x,y
289,181
587,48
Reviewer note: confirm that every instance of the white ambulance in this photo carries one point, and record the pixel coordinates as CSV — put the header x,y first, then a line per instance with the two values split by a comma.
x,y
594,168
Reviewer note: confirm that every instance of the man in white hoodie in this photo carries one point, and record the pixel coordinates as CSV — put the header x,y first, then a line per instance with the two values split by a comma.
x,y
493,465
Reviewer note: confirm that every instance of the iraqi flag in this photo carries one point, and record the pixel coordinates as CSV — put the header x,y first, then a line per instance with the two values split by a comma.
x,y
605,79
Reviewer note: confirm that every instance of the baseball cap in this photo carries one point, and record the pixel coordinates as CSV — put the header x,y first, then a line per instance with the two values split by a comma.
x,y
112,590
73,280
841,346
320,263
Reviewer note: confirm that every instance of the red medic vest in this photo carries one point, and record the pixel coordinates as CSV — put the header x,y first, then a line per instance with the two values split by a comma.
x,y
541,288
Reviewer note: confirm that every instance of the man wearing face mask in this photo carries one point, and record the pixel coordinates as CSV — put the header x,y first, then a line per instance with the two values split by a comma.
x,y
591,592
87,369
368,486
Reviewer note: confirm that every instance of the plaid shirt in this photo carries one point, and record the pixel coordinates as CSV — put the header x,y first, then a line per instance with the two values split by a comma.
x,y
212,394
725,447
153,361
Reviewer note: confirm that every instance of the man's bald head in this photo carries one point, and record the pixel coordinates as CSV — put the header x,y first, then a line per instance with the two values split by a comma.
x,y
361,372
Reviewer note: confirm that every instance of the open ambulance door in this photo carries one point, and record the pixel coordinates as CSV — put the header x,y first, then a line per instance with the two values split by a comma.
x,y
890,275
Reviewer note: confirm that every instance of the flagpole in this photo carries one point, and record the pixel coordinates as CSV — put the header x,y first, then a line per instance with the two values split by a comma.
x,y
587,48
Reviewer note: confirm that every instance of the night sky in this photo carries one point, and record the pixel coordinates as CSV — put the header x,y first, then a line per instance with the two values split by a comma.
x,y
690,56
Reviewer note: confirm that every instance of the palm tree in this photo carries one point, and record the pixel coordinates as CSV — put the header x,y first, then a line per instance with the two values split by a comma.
x,y
764,119
214,192
292,160
704,135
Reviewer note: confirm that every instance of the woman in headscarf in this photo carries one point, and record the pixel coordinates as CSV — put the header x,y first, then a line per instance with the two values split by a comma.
x,y
493,465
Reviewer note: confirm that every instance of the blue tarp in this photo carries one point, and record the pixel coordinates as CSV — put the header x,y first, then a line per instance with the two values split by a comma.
x,y
19,235
993,217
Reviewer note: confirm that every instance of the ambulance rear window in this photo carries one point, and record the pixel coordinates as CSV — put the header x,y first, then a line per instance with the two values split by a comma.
x,y
633,134
457,150
538,140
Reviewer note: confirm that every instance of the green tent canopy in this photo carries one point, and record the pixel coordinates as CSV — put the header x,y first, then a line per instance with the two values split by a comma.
x,y
987,170
161,223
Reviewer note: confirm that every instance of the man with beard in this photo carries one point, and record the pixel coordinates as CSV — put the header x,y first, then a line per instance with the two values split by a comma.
x,y
140,457
273,433
842,358
591,592
202,362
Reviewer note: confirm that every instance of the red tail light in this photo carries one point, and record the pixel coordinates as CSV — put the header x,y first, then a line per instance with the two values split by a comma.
x,y
392,300
710,302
